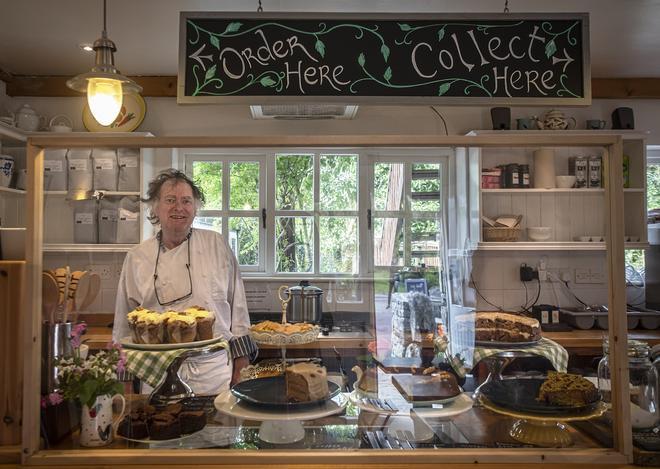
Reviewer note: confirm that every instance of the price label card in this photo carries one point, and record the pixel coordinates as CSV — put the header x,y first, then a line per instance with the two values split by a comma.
x,y
127,215
109,215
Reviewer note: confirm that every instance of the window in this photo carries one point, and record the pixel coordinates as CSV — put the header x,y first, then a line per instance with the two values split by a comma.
x,y
234,189
293,212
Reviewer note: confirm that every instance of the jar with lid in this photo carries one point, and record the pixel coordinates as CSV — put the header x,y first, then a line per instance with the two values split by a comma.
x,y
523,176
512,176
643,382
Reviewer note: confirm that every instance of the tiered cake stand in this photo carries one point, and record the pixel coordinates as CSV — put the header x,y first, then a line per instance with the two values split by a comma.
x,y
280,425
546,431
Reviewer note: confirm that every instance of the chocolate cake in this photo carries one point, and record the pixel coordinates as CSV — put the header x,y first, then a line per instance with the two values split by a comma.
x,y
306,382
192,421
147,422
565,389
500,327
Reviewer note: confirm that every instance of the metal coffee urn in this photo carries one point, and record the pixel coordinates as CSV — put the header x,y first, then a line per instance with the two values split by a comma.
x,y
306,304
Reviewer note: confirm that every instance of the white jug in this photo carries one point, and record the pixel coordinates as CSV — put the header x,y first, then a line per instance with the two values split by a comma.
x,y
27,119
60,123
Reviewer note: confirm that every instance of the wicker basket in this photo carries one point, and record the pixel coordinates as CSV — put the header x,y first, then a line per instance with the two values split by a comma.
x,y
501,234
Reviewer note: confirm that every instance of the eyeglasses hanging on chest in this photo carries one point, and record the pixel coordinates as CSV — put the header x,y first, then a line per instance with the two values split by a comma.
x,y
162,297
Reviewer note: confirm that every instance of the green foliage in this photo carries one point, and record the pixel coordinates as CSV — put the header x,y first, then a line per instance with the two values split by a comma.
x,y
208,176
338,182
653,186
244,186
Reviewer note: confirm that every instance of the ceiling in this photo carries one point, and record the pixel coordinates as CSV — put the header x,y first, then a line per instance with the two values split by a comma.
x,y
41,37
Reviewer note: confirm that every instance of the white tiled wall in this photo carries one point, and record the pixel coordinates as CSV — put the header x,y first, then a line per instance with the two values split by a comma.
x,y
105,301
497,277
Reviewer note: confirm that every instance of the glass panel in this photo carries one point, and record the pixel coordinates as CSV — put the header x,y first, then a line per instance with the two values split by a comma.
x,y
243,238
244,186
294,244
388,186
208,223
338,244
338,189
424,242
294,182
425,187
208,176
388,241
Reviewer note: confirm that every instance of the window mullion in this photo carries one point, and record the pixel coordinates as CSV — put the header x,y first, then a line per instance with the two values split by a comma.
x,y
317,239
269,203
225,196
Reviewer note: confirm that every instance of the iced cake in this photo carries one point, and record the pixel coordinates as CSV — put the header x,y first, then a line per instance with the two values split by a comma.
x,y
500,327
306,382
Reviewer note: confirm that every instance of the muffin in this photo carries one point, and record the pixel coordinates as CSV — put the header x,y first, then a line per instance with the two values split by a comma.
x,y
180,328
150,328
133,318
205,321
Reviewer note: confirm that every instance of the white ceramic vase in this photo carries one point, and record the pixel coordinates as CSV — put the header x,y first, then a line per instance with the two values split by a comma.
x,y
96,423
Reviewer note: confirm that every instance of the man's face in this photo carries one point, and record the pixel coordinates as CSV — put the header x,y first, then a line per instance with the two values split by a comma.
x,y
176,207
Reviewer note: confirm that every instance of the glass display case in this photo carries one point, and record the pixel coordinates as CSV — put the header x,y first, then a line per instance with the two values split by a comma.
x,y
413,347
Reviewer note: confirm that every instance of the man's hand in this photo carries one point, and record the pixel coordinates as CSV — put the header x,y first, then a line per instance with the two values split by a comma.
x,y
239,364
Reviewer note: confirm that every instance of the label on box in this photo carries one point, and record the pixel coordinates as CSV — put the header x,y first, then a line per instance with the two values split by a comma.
x,y
84,218
53,166
103,163
108,214
128,162
127,215
78,164
544,317
555,316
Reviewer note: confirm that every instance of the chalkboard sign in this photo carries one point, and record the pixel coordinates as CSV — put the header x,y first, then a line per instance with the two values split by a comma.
x,y
413,59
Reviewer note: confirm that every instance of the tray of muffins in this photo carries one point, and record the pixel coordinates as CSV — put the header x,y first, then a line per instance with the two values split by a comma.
x,y
557,394
148,424
282,334
151,330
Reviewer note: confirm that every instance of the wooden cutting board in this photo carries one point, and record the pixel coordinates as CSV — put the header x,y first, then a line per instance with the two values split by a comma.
x,y
415,388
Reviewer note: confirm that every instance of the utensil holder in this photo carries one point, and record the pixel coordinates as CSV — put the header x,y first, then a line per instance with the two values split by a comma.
x,y
55,344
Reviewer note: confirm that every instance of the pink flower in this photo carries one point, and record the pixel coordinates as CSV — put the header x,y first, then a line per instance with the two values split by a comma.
x,y
78,330
55,398
372,347
43,402
121,364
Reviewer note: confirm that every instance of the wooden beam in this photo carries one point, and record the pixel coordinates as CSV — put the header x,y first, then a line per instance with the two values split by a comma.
x,y
165,87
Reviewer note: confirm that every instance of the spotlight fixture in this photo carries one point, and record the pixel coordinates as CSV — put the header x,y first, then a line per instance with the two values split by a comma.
x,y
104,85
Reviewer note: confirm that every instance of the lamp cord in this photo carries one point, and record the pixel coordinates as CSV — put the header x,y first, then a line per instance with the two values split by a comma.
x,y
104,13
260,9
442,118
506,6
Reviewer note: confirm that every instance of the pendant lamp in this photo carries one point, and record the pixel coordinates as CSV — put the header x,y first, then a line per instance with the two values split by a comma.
x,y
104,85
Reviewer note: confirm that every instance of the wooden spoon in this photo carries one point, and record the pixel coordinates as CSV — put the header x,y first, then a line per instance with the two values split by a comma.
x,y
50,294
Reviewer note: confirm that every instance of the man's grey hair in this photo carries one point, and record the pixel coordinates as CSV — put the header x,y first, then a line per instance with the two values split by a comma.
x,y
155,185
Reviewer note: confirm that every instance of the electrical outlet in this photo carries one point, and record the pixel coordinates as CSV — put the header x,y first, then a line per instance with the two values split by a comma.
x,y
582,275
104,271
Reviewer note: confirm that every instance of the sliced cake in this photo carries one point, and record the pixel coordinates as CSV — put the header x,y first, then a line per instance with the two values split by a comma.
x,y
306,382
565,389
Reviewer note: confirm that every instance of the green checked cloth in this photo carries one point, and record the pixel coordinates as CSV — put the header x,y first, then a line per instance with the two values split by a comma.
x,y
150,365
555,353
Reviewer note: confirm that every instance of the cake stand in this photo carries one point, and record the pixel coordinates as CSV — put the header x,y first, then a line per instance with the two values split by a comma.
x,y
277,426
547,431
496,365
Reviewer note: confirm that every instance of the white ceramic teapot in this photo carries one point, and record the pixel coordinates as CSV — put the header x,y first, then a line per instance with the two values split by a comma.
x,y
27,119
556,120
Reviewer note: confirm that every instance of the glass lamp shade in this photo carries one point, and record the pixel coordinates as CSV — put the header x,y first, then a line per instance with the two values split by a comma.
x,y
104,96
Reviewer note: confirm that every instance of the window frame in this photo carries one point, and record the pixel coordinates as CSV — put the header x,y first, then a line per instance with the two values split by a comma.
x,y
366,159
226,158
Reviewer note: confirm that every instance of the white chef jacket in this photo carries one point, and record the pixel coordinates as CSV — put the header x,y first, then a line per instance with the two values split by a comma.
x,y
216,286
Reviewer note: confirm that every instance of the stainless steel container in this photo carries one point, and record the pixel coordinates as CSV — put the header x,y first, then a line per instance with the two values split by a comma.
x,y
55,344
306,304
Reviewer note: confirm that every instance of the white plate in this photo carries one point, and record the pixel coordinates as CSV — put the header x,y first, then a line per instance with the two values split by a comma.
x,y
153,442
356,398
228,404
127,342
462,403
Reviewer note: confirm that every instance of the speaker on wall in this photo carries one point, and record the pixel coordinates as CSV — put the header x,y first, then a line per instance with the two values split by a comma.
x,y
501,117
623,118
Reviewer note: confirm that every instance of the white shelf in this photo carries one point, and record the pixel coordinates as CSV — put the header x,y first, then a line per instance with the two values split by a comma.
x,y
551,246
105,193
88,247
625,133
544,191
634,190
9,190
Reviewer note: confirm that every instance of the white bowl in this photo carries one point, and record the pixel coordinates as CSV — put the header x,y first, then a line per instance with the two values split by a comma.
x,y
539,233
565,182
